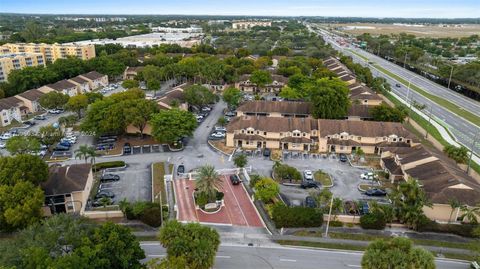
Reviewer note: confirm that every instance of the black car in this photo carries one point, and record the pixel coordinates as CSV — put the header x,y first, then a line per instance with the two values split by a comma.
x,y
343,158
180,169
267,152
30,123
104,193
307,184
127,148
310,202
398,85
109,177
376,192
234,179
61,148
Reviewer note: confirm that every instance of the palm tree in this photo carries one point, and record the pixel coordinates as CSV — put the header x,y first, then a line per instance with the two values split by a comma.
x,y
83,152
92,153
454,204
470,213
208,181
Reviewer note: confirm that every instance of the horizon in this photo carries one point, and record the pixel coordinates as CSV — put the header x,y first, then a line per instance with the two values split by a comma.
x,y
409,9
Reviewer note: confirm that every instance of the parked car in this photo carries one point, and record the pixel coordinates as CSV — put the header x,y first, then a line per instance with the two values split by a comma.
x,y
6,136
127,148
368,176
308,175
364,208
234,179
61,148
375,192
29,123
65,143
343,157
206,108
109,177
267,152
2,145
54,111
180,169
310,202
104,193
40,117
218,135
307,184
231,114
220,129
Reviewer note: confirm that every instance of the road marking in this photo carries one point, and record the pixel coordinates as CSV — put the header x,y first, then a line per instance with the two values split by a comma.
x,y
150,244
156,255
223,257
354,265
288,260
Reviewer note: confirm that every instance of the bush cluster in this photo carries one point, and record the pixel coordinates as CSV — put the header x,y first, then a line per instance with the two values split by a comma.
x,y
294,217
373,221
104,165
462,230
147,212
287,173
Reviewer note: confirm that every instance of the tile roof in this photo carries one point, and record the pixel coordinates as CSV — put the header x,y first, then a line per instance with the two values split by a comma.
x,y
9,102
170,96
359,110
93,75
67,179
79,79
392,166
362,128
272,124
62,85
249,137
32,95
285,107
363,93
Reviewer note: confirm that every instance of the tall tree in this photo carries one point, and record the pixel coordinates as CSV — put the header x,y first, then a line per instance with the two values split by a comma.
x,y
386,113
408,200
77,104
330,99
208,181
266,189
171,125
232,96
261,78
197,95
139,112
192,244
53,100
84,152
49,135
22,144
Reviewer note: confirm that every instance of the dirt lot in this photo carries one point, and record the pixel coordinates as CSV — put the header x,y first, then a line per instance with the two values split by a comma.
x,y
425,31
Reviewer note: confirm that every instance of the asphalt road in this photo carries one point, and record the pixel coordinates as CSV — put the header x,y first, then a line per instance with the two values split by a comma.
x,y
463,130
259,257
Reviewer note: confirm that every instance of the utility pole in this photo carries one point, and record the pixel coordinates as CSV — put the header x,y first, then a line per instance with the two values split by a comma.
x,y
329,215
471,152
450,78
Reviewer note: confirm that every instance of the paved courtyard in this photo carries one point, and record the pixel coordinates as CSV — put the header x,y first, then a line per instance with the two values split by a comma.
x,y
238,209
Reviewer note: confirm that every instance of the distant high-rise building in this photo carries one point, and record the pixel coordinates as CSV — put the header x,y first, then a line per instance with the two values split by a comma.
x,y
51,52
14,61
244,25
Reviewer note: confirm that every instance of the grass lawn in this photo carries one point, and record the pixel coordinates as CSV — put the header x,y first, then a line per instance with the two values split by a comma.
x,y
158,171
323,178
444,103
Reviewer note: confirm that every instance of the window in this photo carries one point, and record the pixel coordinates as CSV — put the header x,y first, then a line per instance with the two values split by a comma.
x,y
243,131
359,138
264,133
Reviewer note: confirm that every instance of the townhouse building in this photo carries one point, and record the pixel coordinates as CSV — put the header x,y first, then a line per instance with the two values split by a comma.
x,y
11,109
83,85
63,86
95,79
245,85
30,99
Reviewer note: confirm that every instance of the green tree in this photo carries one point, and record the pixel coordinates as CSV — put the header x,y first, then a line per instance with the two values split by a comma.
x,y
53,100
192,244
77,104
240,161
408,200
208,181
68,121
171,125
33,31
130,83
266,189
372,220
261,78
396,253
330,99
197,95
232,96
139,112
458,154
153,85
454,204
386,113
85,152
93,96
470,213
22,167
49,135
290,93
22,144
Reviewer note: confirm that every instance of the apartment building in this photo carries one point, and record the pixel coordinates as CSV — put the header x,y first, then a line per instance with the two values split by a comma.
x,y
10,110
245,85
275,109
131,72
317,135
68,188
442,181
245,25
15,61
52,52
95,79
63,86
83,85
30,99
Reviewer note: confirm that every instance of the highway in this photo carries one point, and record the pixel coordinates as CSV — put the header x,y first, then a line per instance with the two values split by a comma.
x,y
232,256
463,130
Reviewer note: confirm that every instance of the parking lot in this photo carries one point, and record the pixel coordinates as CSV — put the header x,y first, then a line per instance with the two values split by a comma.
x,y
134,185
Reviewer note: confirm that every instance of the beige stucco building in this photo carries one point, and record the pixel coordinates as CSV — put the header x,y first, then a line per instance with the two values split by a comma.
x,y
11,109
15,61
95,79
30,99
245,85
245,25
52,52
68,188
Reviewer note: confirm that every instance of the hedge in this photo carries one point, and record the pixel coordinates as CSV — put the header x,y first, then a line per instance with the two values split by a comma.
x,y
104,165
147,212
458,229
296,217
373,221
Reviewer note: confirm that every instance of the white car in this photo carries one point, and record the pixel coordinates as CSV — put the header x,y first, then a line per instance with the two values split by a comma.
x,y
218,135
368,176
220,129
308,175
206,108
2,145
6,136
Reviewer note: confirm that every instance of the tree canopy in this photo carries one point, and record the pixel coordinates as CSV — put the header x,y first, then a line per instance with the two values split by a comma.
x,y
171,125
198,95
53,100
386,113
232,96
22,144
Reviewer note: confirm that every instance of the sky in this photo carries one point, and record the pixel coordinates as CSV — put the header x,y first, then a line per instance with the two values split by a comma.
x,y
342,8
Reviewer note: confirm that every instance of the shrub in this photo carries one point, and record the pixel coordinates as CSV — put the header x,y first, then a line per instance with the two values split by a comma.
x,y
240,160
336,223
266,189
254,179
462,230
152,216
219,196
373,221
201,199
104,165
295,217
287,173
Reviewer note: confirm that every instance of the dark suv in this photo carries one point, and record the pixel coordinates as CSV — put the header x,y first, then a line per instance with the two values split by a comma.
x,y
306,184
104,193
234,179
343,158
109,177
127,148
180,169
310,202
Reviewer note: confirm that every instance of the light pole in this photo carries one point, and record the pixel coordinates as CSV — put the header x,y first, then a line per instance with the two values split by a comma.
x,y
329,215
408,91
450,77
471,152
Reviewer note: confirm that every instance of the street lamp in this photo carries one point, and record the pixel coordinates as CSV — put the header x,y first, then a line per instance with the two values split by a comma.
x,y
450,77
329,215
408,90
471,152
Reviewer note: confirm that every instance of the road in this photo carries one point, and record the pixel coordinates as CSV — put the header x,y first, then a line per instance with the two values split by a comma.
x,y
232,256
463,130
